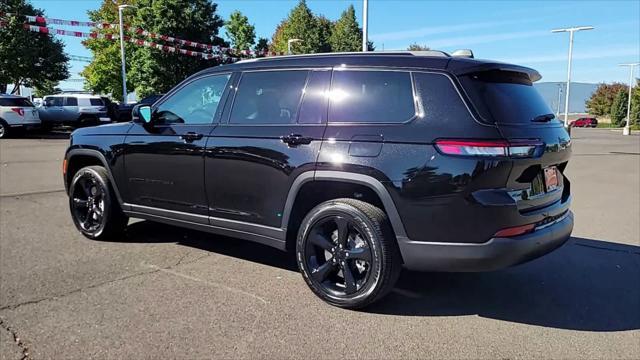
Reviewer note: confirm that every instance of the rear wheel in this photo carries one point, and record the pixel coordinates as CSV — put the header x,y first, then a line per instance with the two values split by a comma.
x,y
347,253
94,207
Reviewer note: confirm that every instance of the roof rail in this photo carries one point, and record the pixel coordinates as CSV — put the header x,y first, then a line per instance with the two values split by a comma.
x,y
432,53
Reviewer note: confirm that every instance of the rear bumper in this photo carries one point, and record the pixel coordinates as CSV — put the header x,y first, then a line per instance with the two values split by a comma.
x,y
494,254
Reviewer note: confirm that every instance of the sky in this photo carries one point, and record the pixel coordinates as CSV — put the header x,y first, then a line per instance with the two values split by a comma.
x,y
506,30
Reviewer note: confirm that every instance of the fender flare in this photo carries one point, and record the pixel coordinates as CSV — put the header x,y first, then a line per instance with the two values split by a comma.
x,y
355,178
100,156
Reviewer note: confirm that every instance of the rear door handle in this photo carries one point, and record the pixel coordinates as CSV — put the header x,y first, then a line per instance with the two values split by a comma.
x,y
191,136
296,139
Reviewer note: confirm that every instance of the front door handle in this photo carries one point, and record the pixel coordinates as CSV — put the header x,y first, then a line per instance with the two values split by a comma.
x,y
191,136
296,139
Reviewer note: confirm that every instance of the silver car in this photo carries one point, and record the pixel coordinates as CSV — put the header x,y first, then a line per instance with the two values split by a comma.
x,y
76,110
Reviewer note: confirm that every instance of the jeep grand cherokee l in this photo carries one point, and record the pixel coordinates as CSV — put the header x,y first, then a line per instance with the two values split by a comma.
x,y
359,163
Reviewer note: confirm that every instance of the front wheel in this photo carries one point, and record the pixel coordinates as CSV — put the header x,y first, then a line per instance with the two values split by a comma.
x,y
347,253
4,129
94,208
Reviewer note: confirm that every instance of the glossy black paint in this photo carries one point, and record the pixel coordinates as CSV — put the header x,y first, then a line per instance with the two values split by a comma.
x,y
243,177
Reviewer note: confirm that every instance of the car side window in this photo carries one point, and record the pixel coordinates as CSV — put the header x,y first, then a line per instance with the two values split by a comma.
x,y
71,101
195,103
268,97
371,97
54,101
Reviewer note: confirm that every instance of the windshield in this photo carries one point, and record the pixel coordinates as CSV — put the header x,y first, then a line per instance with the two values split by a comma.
x,y
506,97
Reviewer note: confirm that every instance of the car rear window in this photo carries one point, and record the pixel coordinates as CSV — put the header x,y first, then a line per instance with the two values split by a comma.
x,y
20,102
371,97
96,102
504,97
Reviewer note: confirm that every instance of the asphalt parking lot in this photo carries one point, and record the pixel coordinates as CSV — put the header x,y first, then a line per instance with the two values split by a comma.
x,y
168,292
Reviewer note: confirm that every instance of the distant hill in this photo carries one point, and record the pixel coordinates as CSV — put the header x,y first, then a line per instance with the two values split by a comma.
x,y
580,93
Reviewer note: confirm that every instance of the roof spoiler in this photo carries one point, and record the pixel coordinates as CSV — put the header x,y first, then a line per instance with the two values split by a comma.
x,y
474,68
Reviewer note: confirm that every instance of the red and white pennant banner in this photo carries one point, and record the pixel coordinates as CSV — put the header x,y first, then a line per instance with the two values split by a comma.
x,y
95,35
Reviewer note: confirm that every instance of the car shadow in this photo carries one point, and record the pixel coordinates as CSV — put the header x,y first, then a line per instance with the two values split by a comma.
x,y
61,133
587,285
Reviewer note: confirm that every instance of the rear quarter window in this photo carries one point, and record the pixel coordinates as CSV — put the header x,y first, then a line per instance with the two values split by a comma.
x,y
18,102
96,102
440,102
371,97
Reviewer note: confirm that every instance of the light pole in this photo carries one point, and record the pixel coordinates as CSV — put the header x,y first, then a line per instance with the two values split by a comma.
x,y
559,99
124,68
365,24
566,100
291,41
627,129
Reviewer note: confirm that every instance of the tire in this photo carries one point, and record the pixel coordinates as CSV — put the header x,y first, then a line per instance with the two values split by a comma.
x,y
4,130
87,121
94,207
368,254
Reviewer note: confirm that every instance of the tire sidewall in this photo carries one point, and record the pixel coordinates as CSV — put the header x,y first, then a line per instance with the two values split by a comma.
x,y
102,182
364,224
5,126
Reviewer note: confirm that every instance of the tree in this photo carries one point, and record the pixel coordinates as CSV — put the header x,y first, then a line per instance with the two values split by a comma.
x,y
601,100
46,88
240,32
262,46
346,35
28,58
325,28
300,24
104,73
418,47
619,107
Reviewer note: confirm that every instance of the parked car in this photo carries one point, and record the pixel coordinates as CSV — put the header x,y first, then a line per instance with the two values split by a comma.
x,y
16,113
76,110
584,122
124,110
359,163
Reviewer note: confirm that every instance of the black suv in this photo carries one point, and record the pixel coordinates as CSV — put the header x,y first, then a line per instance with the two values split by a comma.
x,y
361,164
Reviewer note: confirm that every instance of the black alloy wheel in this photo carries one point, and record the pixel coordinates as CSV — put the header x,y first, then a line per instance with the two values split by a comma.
x,y
94,208
347,253
338,255
88,203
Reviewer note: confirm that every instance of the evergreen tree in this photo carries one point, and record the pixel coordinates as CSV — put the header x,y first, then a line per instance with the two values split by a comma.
x,y
300,24
346,35
325,28
240,32
619,107
28,58
262,46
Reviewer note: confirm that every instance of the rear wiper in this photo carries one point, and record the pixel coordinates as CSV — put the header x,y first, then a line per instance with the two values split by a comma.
x,y
544,118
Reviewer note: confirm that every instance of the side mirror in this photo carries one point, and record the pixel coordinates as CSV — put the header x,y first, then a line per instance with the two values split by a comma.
x,y
141,113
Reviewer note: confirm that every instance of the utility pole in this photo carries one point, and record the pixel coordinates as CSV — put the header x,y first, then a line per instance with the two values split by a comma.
x,y
365,25
627,128
122,56
568,89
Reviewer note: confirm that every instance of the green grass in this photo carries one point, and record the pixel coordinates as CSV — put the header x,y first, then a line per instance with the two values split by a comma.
x,y
611,126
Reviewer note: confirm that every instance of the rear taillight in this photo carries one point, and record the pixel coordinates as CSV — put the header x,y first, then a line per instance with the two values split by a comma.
x,y
515,231
19,111
496,148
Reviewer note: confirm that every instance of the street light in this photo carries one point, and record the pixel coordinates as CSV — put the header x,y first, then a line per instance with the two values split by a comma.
x,y
291,41
559,99
365,24
627,129
566,101
124,69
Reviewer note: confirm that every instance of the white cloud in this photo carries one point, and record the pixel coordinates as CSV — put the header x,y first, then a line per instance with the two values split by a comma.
x,y
415,34
483,39
580,54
